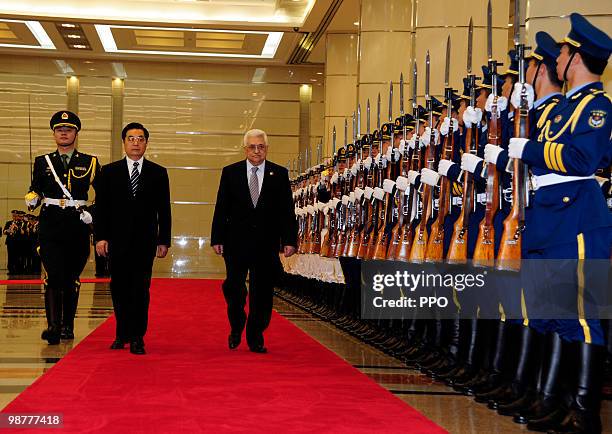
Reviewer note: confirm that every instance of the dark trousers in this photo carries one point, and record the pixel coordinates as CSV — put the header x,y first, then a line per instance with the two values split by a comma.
x,y
64,260
130,283
263,271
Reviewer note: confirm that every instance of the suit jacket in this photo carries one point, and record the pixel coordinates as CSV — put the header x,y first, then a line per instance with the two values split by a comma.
x,y
239,226
133,225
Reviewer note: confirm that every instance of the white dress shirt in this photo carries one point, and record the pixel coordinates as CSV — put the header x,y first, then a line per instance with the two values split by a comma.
x,y
130,165
260,172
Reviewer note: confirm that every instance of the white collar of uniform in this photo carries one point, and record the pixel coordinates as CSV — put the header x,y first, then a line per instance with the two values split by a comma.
x,y
262,166
131,162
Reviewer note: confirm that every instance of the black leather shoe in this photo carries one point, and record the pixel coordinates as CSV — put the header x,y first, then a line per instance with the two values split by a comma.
x,y
259,349
67,333
118,344
233,341
51,335
137,347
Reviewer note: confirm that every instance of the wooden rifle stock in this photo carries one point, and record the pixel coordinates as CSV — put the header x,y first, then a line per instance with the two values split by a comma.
x,y
457,253
484,253
435,246
509,256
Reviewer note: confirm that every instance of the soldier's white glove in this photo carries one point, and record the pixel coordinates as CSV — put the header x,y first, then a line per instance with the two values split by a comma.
x,y
443,167
445,126
354,169
367,162
412,176
502,103
388,153
396,155
402,183
86,217
412,142
472,116
32,200
491,152
516,147
469,162
515,99
334,178
402,146
429,176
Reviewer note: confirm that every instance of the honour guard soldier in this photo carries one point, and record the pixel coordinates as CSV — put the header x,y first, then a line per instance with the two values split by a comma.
x,y
568,217
60,183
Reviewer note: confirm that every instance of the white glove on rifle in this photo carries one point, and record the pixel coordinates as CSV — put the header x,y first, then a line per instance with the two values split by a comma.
x,y
469,162
491,152
443,167
502,103
516,147
412,176
445,126
515,98
429,176
86,217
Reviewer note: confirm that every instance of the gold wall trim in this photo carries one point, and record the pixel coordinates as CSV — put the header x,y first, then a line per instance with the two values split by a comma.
x,y
181,202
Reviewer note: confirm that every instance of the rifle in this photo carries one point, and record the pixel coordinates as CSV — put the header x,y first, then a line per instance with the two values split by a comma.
x,y
457,252
509,255
419,244
435,245
484,254
344,182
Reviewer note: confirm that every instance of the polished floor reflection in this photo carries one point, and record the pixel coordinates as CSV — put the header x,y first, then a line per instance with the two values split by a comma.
x,y
24,357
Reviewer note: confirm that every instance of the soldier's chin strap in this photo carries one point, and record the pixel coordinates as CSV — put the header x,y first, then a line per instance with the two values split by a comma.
x,y
535,77
569,62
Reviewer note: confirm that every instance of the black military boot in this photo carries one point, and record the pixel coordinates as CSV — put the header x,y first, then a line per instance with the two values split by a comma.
x,y
450,359
70,298
547,400
469,367
583,416
524,371
53,309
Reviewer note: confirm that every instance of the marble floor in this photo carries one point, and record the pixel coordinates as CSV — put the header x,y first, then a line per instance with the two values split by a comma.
x,y
24,357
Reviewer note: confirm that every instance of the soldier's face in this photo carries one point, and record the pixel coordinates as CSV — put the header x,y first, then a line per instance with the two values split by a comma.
x,y
562,60
64,136
397,138
256,150
135,144
481,99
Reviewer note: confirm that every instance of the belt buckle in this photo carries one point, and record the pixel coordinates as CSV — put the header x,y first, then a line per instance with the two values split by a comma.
x,y
62,203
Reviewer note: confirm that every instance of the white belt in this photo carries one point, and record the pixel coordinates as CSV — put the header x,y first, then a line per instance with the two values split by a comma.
x,y
63,203
553,178
481,198
457,201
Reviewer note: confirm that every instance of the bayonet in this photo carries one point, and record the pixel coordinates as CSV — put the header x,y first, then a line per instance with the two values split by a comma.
x,y
427,70
517,22
368,117
346,129
489,31
358,122
378,113
401,84
414,88
354,119
469,45
447,65
390,101
334,141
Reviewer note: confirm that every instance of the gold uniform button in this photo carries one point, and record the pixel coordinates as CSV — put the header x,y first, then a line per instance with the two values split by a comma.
x,y
566,199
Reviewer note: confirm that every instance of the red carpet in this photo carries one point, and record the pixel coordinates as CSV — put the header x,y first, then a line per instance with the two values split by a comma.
x,y
190,382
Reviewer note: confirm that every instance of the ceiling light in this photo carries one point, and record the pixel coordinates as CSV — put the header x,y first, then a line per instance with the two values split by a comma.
x,y
79,46
73,36
39,33
110,46
319,73
356,23
313,79
69,26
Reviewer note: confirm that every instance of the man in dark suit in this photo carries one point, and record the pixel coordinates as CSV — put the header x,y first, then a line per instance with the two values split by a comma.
x,y
253,218
132,227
